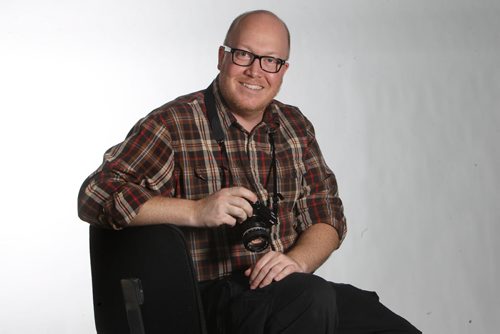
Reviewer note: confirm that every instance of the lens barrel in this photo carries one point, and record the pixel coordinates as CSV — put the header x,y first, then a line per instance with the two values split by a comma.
x,y
256,237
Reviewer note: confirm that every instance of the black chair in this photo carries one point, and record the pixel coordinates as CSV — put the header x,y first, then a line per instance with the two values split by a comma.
x,y
157,257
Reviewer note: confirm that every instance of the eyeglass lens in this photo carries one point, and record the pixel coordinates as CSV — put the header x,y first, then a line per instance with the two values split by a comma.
x,y
245,58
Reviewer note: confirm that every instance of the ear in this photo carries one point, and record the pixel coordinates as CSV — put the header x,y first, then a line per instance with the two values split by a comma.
x,y
221,57
284,68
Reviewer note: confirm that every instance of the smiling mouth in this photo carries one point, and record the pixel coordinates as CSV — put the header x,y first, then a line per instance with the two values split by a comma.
x,y
252,87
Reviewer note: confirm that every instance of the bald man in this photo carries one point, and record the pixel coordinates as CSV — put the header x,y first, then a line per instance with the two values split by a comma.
x,y
243,176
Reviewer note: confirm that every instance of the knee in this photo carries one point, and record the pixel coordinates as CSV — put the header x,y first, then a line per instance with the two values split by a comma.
x,y
315,291
302,303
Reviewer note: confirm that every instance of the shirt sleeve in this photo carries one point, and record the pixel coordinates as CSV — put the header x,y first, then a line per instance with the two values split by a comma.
x,y
320,201
132,172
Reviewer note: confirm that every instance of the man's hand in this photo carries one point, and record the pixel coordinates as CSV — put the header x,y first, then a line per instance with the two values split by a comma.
x,y
311,249
273,266
227,206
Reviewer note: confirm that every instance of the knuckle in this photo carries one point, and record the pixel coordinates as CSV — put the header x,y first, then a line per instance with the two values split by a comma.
x,y
275,270
260,275
267,268
259,266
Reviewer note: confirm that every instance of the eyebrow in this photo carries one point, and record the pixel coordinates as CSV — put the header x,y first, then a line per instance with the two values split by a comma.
x,y
270,54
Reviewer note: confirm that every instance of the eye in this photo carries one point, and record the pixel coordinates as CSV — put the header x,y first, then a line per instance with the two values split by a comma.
x,y
242,54
270,60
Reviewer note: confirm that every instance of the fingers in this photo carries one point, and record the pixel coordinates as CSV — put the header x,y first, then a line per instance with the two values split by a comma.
x,y
243,193
273,266
227,206
237,214
240,207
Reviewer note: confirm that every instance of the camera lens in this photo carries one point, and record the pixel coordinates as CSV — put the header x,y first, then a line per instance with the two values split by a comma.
x,y
256,238
256,230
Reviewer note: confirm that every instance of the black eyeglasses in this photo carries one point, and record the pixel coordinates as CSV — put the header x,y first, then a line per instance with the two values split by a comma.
x,y
246,58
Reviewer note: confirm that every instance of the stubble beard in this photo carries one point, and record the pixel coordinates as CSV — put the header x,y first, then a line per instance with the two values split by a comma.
x,y
238,105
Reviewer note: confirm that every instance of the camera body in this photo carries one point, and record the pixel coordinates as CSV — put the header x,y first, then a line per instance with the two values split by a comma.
x,y
256,230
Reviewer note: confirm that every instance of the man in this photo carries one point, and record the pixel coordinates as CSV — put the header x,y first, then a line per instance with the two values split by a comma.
x,y
175,167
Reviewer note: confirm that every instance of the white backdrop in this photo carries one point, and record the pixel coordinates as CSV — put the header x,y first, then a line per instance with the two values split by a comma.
x,y
404,95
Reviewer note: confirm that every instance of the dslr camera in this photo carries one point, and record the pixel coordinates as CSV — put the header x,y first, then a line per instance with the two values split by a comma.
x,y
256,230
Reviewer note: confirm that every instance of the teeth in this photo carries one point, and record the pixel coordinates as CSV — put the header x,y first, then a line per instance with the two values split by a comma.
x,y
253,87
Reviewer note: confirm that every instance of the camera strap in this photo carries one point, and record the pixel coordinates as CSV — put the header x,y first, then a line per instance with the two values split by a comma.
x,y
213,118
216,128
276,196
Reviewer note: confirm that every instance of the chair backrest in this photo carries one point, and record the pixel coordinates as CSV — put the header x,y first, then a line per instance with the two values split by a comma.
x,y
158,257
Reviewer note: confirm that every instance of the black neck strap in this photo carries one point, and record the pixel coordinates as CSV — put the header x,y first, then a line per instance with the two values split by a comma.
x,y
216,128
213,118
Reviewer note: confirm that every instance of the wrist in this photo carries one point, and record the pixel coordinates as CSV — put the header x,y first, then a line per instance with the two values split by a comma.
x,y
303,267
192,216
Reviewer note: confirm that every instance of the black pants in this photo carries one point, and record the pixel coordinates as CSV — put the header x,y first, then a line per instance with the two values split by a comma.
x,y
300,303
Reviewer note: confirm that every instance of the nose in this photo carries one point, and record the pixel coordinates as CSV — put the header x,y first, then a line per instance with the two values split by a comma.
x,y
254,70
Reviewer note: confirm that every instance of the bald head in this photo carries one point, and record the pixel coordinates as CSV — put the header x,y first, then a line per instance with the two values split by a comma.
x,y
249,89
250,19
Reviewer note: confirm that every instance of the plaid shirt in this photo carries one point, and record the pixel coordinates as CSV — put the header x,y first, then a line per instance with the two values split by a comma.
x,y
172,153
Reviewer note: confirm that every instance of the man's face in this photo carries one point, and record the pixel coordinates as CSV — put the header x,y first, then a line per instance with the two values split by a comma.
x,y
249,90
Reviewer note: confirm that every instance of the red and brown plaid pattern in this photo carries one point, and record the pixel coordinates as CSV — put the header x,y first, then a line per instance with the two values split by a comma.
x,y
171,152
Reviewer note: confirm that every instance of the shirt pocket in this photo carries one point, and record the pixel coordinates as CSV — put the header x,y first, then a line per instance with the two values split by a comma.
x,y
291,179
203,182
